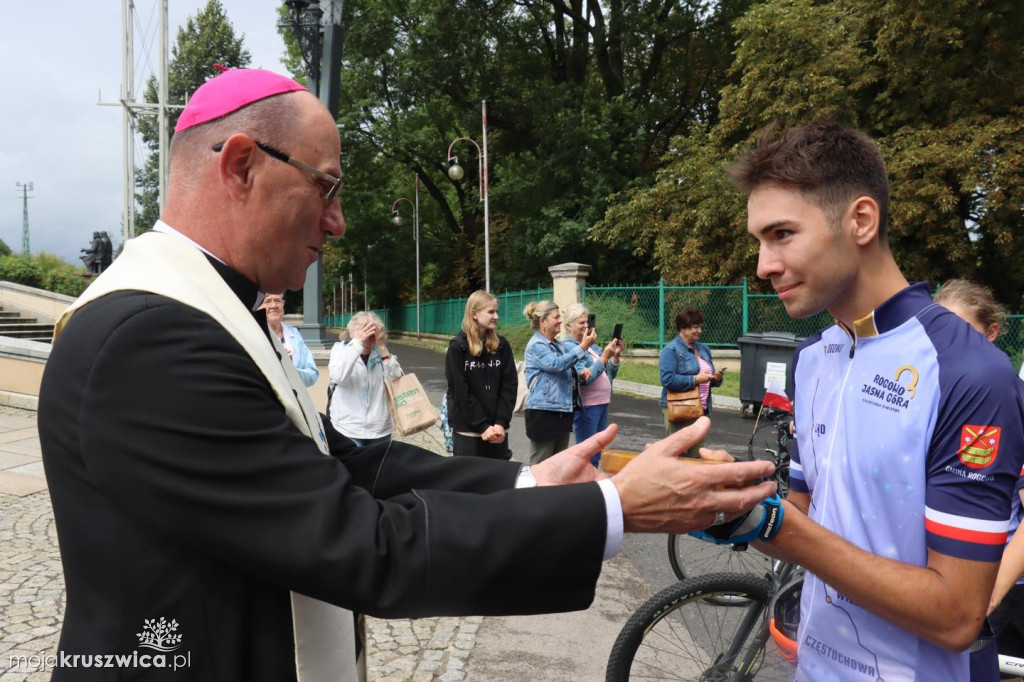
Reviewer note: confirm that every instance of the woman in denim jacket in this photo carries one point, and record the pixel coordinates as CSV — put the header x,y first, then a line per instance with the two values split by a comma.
x,y
552,381
597,371
685,363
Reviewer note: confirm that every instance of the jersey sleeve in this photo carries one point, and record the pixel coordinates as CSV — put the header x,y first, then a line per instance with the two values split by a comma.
x,y
974,459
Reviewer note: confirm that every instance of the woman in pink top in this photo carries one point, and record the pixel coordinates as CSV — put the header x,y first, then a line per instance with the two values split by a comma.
x,y
596,370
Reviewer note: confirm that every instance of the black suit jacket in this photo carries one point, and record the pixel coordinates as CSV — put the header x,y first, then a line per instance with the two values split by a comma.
x,y
181,490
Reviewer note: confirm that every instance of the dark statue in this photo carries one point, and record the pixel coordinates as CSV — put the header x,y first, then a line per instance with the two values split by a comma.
x,y
99,255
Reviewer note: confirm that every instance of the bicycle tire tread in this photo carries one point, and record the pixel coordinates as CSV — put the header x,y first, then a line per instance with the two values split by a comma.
x,y
667,600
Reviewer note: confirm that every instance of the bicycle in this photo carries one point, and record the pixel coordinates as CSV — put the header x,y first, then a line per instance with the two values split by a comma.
x,y
680,634
691,557
683,633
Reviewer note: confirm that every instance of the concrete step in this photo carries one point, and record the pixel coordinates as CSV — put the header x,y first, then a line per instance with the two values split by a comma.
x,y
6,327
45,335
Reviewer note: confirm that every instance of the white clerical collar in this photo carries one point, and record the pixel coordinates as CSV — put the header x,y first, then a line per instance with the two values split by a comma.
x,y
164,228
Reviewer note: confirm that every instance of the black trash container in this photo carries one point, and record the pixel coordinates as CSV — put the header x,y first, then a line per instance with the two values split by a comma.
x,y
764,356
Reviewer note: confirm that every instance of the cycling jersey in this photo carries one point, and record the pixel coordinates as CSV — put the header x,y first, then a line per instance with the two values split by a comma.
x,y
909,438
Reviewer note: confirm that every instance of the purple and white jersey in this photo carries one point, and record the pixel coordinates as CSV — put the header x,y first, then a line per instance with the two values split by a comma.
x,y
910,439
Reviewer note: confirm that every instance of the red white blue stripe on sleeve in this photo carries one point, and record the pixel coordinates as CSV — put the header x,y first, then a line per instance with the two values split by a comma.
x,y
963,536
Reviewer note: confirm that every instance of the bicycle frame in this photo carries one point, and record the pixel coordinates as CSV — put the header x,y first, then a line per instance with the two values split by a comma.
x,y
1009,665
781,574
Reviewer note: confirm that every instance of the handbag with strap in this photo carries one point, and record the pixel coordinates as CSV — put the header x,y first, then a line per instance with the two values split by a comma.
x,y
410,408
684,405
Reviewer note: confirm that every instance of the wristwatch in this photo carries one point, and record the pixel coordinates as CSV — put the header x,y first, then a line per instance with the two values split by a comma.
x,y
526,479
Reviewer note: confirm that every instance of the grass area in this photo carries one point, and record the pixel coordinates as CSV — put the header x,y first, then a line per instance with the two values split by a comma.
x,y
645,373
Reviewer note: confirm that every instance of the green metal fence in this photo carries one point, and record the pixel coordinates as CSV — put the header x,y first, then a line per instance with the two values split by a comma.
x,y
647,313
1012,338
445,317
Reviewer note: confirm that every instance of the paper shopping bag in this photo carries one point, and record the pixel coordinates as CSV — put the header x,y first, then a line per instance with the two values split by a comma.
x,y
411,411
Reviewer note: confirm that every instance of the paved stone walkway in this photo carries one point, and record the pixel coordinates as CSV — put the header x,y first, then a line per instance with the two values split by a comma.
x,y
32,583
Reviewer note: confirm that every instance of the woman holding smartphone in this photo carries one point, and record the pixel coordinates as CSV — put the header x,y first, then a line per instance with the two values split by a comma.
x,y
596,369
482,382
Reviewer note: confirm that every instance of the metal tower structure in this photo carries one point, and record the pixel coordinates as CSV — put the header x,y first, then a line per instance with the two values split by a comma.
x,y
133,108
25,189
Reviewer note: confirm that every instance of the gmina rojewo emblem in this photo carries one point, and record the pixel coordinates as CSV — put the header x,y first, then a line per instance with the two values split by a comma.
x,y
159,635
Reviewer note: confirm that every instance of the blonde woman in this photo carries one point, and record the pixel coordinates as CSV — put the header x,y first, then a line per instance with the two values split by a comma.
x,y
974,304
359,408
482,382
554,385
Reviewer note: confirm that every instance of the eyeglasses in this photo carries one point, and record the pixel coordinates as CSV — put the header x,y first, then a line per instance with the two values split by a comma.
x,y
268,302
329,183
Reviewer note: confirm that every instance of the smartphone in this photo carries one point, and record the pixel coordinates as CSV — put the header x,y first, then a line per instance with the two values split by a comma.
x,y
722,369
591,320
617,332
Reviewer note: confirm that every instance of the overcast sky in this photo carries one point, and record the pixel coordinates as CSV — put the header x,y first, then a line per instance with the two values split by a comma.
x,y
55,59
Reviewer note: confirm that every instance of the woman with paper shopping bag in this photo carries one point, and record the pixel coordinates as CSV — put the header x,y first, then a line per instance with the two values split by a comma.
x,y
482,382
358,368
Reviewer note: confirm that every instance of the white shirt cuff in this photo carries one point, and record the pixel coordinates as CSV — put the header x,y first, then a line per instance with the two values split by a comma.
x,y
613,511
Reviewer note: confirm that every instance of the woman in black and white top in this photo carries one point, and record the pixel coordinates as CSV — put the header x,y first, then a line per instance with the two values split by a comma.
x,y
482,382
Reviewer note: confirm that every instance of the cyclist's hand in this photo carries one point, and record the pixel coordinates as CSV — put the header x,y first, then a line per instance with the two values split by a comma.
x,y
662,494
760,523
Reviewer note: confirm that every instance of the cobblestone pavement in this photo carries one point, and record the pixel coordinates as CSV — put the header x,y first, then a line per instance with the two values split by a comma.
x,y
32,583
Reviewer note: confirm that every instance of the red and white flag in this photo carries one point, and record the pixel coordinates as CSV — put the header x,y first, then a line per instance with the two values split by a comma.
x,y
775,397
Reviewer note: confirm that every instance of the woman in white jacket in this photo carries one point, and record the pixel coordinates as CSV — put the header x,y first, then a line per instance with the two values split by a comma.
x,y
359,408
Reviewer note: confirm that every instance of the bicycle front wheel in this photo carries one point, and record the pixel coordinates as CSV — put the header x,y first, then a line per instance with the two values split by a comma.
x,y
691,557
681,634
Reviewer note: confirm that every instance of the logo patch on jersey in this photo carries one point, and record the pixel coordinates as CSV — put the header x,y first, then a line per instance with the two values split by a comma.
x,y
892,394
979,445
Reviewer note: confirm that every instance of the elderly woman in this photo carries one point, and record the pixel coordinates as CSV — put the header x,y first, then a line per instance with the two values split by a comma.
x,y
359,408
596,371
685,363
552,380
290,338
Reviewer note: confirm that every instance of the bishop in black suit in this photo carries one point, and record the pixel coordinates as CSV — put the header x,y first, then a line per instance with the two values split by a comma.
x,y
192,481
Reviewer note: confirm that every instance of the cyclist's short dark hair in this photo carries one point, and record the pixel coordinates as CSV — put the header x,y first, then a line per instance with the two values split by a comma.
x,y
828,162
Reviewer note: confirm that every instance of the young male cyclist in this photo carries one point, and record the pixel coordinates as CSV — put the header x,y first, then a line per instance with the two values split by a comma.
x,y
909,432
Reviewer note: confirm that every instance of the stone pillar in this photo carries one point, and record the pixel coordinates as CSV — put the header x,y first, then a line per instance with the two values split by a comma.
x,y
567,281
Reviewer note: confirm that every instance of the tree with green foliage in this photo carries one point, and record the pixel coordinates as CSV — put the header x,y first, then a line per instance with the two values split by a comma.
x,y
937,86
4,249
204,40
582,100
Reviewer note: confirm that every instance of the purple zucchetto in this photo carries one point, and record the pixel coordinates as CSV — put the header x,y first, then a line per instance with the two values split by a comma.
x,y
230,91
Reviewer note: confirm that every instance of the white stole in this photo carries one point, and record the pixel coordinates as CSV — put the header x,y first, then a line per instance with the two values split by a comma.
x,y
165,265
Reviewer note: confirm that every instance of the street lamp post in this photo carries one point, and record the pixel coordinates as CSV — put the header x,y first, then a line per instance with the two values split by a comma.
x,y
455,172
396,218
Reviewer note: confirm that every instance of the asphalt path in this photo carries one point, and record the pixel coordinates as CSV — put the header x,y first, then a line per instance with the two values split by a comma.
x,y
639,420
